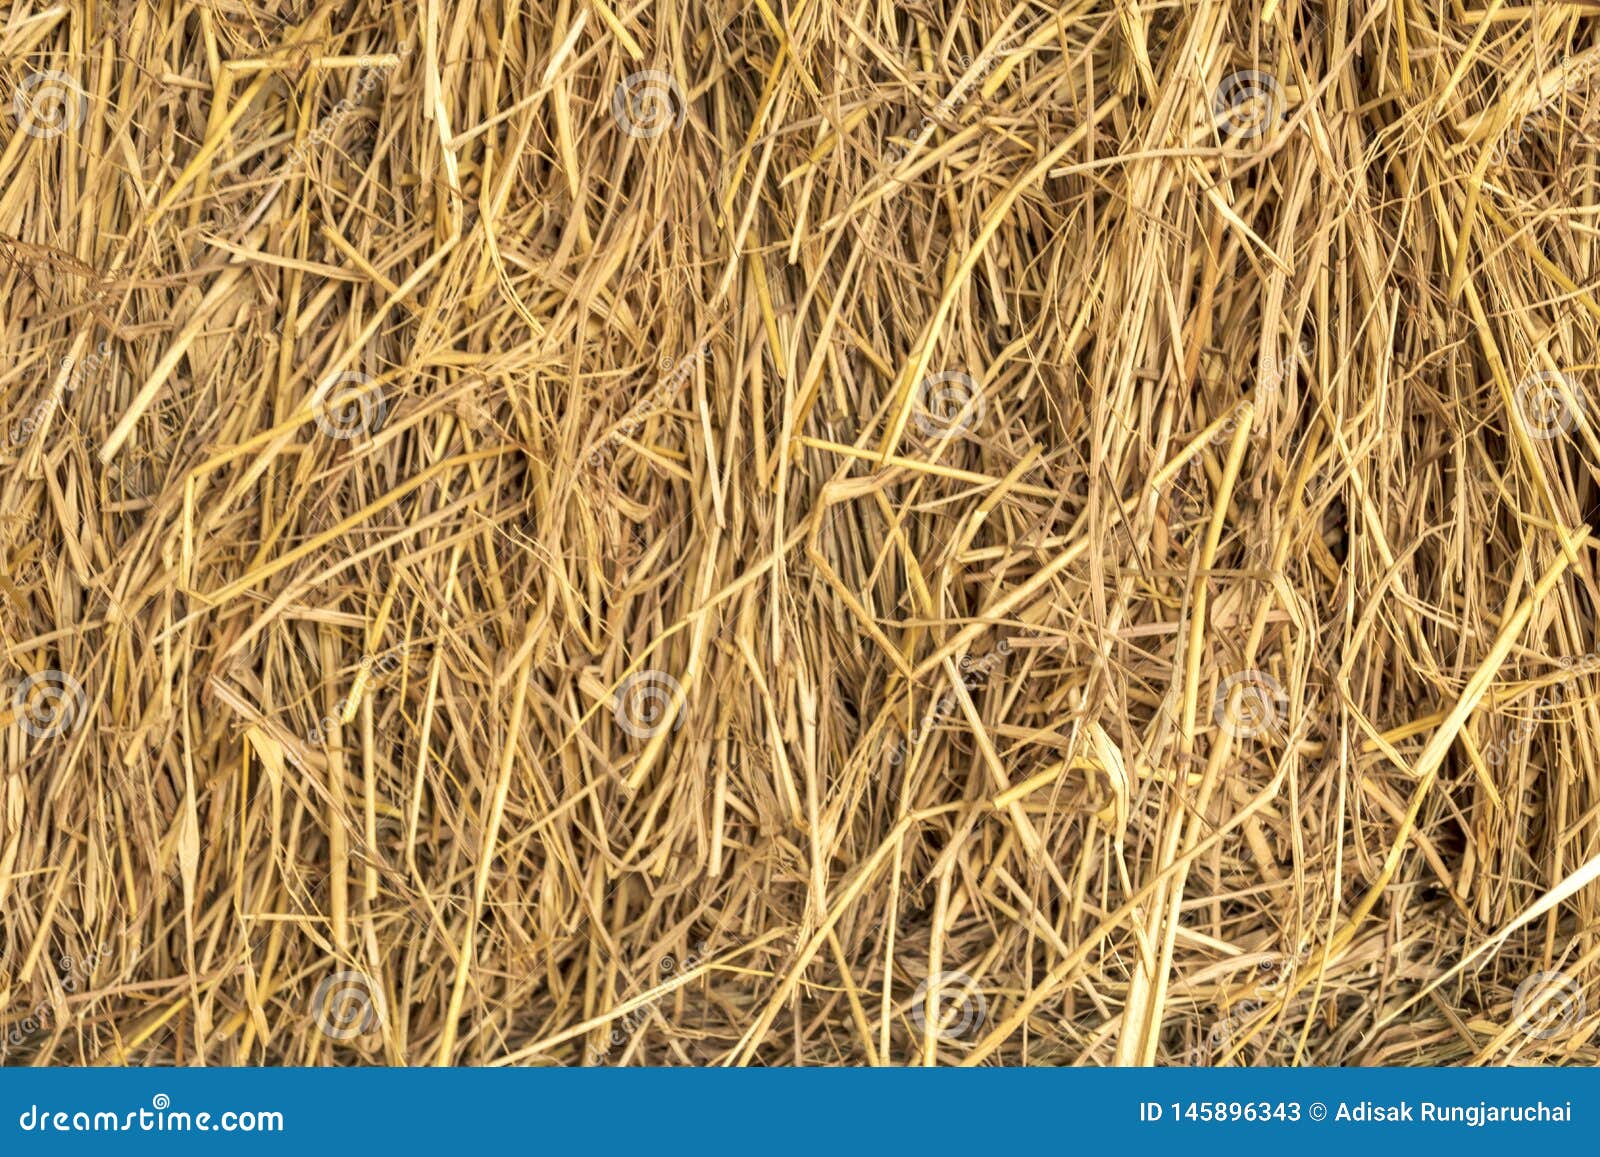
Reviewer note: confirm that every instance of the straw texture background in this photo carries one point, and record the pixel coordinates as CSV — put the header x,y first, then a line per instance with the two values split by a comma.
x,y
814,533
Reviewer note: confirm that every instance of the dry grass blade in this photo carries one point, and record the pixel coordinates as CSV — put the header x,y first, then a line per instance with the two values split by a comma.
x,y
811,534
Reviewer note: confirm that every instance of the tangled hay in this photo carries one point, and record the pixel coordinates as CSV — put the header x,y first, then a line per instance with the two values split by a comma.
x,y
805,534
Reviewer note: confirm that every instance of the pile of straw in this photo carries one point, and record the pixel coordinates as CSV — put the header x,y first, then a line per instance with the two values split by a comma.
x,y
799,534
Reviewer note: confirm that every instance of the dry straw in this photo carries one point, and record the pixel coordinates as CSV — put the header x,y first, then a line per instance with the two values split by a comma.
x,y
799,534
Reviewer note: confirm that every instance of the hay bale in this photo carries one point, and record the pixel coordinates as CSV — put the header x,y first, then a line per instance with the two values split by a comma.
x,y
812,535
